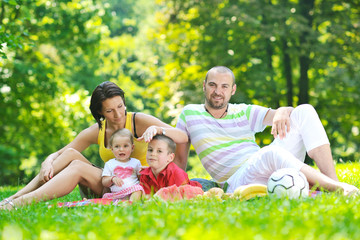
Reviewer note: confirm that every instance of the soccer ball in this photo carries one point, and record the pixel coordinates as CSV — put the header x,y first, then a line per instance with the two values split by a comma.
x,y
288,182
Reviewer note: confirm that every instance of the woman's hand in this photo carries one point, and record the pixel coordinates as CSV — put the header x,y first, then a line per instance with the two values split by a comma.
x,y
46,171
150,133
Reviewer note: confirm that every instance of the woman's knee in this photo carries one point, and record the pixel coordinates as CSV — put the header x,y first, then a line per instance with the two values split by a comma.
x,y
71,152
76,164
84,170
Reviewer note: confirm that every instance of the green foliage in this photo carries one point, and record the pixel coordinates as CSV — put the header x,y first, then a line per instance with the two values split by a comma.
x,y
282,53
42,82
328,216
54,53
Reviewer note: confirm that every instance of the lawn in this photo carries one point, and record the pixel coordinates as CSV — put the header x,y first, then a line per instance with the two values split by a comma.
x,y
328,216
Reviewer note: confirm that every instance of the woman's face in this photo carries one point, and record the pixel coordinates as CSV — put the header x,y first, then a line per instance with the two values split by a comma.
x,y
113,109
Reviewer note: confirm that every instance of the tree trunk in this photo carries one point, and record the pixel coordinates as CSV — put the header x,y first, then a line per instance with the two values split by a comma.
x,y
269,63
306,6
304,80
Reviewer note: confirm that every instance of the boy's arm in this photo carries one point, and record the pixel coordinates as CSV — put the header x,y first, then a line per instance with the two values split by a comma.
x,y
181,155
137,169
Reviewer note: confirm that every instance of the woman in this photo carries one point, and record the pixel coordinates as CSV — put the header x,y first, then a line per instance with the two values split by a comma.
x,y
63,170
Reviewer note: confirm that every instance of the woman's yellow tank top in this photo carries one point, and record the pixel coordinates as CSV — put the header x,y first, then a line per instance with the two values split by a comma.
x,y
140,148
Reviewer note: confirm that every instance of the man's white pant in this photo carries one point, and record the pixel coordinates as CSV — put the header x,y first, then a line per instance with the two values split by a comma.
x,y
306,133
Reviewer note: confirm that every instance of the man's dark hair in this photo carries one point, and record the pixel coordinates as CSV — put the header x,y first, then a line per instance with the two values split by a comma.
x,y
220,69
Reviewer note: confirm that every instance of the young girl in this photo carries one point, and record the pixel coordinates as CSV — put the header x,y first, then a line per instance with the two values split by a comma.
x,y
121,173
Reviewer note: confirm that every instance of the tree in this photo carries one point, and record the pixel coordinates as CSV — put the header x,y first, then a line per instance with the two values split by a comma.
x,y
282,52
41,76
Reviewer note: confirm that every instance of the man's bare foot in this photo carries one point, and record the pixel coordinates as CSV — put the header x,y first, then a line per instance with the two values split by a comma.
x,y
349,190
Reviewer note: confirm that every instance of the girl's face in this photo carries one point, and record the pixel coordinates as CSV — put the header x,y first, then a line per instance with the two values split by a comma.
x,y
122,148
113,109
158,156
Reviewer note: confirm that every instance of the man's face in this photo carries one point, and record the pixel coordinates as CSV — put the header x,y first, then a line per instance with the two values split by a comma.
x,y
218,90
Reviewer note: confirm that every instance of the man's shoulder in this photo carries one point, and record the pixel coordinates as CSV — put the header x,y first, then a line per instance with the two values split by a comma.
x,y
193,107
238,105
235,107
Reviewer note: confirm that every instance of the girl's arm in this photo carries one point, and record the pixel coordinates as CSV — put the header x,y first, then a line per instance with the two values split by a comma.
x,y
108,181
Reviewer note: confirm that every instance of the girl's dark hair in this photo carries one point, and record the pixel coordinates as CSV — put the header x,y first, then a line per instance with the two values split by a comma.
x,y
102,92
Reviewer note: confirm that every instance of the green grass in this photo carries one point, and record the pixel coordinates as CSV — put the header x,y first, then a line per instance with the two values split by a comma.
x,y
328,216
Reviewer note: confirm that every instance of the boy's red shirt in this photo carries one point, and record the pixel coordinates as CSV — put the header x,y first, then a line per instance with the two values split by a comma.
x,y
169,176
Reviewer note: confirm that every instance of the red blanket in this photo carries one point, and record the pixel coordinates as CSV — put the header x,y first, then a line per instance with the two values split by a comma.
x,y
101,201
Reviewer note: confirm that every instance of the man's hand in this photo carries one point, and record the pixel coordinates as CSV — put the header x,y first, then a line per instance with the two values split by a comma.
x,y
281,122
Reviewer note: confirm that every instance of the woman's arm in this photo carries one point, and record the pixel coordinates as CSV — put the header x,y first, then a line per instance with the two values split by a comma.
x,y
82,141
181,155
153,126
106,181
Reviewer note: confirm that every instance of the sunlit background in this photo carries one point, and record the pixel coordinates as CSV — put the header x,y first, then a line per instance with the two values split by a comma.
x,y
54,53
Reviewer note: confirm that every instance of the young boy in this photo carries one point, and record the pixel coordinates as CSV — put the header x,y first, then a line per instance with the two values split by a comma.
x,y
162,171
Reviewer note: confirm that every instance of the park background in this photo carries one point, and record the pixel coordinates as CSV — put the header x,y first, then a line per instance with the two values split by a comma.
x,y
54,53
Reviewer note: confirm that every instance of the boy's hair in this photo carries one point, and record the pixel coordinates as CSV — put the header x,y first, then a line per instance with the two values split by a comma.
x,y
171,144
122,133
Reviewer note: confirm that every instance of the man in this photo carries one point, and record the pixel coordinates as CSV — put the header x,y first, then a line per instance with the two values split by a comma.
x,y
223,136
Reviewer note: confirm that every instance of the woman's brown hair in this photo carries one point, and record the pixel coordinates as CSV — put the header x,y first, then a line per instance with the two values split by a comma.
x,y
102,92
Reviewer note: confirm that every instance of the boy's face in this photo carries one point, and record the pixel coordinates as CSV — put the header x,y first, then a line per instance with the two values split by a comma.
x,y
158,156
122,148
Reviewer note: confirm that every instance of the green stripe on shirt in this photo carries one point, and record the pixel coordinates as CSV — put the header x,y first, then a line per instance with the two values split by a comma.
x,y
217,147
248,111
